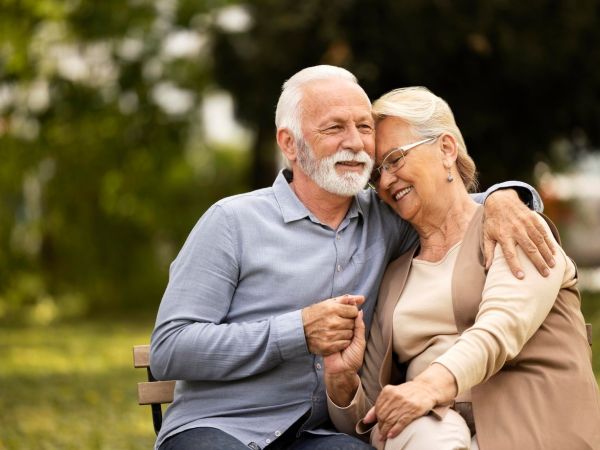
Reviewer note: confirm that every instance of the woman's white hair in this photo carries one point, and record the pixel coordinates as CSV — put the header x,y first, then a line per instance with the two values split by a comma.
x,y
289,113
428,115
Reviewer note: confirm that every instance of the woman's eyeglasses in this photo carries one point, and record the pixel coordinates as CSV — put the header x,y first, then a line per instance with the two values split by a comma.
x,y
394,161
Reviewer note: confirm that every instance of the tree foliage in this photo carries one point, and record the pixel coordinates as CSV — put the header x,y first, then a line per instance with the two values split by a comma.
x,y
103,163
520,76
104,169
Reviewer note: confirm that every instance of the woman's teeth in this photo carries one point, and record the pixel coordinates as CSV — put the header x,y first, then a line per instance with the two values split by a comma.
x,y
403,192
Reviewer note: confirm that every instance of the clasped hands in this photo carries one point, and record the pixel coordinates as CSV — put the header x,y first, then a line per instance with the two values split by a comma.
x,y
329,325
396,406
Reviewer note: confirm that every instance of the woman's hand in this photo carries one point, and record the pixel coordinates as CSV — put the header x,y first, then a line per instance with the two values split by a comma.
x,y
341,368
350,359
397,406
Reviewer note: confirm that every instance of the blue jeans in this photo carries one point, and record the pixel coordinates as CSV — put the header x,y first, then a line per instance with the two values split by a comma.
x,y
213,439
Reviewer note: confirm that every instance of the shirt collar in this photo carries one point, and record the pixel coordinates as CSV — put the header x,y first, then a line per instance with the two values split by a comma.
x,y
292,208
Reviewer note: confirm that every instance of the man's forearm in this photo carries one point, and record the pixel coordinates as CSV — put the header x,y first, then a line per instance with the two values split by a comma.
x,y
189,350
527,193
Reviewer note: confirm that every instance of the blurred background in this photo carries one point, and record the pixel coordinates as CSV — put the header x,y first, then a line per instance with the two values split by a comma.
x,y
122,121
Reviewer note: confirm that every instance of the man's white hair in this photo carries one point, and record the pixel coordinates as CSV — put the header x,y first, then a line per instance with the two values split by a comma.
x,y
289,112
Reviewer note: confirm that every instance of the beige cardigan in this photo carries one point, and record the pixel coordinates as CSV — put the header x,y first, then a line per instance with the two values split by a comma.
x,y
545,398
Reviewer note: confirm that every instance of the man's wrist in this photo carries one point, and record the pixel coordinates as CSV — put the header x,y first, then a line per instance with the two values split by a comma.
x,y
523,194
509,193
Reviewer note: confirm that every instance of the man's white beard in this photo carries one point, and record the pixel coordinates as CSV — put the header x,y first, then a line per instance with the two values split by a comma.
x,y
322,171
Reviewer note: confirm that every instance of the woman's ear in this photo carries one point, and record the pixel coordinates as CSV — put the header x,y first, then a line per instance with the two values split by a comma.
x,y
287,144
449,148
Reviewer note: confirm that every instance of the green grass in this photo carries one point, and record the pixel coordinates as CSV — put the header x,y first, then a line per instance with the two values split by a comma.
x,y
73,386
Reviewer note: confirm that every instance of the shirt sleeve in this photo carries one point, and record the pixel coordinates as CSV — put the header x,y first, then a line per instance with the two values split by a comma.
x,y
526,193
510,313
191,339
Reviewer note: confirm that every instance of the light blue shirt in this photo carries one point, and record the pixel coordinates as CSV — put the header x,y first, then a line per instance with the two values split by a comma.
x,y
230,322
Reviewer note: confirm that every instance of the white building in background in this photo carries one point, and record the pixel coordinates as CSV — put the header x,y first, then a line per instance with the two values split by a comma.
x,y
573,200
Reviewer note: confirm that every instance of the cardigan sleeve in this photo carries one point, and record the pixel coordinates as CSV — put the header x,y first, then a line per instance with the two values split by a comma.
x,y
510,313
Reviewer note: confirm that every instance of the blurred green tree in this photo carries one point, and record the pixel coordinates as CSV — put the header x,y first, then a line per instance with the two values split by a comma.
x,y
104,165
104,168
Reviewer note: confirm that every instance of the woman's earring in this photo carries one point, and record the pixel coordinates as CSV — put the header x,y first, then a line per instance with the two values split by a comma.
x,y
450,177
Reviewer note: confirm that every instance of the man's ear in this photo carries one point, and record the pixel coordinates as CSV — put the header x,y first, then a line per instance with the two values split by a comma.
x,y
287,144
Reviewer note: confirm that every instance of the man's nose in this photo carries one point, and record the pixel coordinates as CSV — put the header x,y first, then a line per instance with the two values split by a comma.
x,y
353,139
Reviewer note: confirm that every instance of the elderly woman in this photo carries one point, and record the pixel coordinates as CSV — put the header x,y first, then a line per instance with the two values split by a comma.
x,y
460,356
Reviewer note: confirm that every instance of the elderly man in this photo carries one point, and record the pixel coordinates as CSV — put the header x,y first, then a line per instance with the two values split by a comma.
x,y
241,325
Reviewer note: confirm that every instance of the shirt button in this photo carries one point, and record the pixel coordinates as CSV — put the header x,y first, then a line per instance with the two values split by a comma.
x,y
278,433
268,441
339,268
338,237
318,366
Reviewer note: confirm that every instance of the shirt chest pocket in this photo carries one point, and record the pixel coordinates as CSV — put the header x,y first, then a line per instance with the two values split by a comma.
x,y
369,262
375,250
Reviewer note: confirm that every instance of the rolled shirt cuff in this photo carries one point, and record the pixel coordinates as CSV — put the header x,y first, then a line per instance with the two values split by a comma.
x,y
289,332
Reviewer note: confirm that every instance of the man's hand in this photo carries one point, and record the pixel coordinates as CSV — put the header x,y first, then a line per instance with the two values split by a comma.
x,y
508,221
329,325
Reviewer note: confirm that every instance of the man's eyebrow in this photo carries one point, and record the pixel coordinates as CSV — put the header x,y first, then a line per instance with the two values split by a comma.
x,y
344,118
331,120
366,118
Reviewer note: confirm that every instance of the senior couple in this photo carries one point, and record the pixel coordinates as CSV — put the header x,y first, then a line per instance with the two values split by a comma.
x,y
271,321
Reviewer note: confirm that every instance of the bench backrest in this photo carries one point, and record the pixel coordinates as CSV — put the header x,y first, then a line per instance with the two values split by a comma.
x,y
151,392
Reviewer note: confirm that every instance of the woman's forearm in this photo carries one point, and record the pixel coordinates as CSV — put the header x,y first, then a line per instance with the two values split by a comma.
x,y
440,381
342,387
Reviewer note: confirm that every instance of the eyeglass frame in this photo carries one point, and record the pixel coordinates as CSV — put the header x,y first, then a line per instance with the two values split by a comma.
x,y
404,149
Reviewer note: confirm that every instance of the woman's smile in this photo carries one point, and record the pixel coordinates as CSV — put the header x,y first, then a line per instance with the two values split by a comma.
x,y
398,195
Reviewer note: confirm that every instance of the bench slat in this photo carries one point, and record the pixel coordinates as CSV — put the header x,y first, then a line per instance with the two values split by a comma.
x,y
155,392
141,355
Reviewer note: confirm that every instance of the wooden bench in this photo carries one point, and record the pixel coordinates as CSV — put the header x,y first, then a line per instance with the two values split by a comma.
x,y
152,392
156,393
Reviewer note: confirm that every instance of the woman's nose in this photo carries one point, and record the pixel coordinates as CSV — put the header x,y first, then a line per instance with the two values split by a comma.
x,y
386,178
